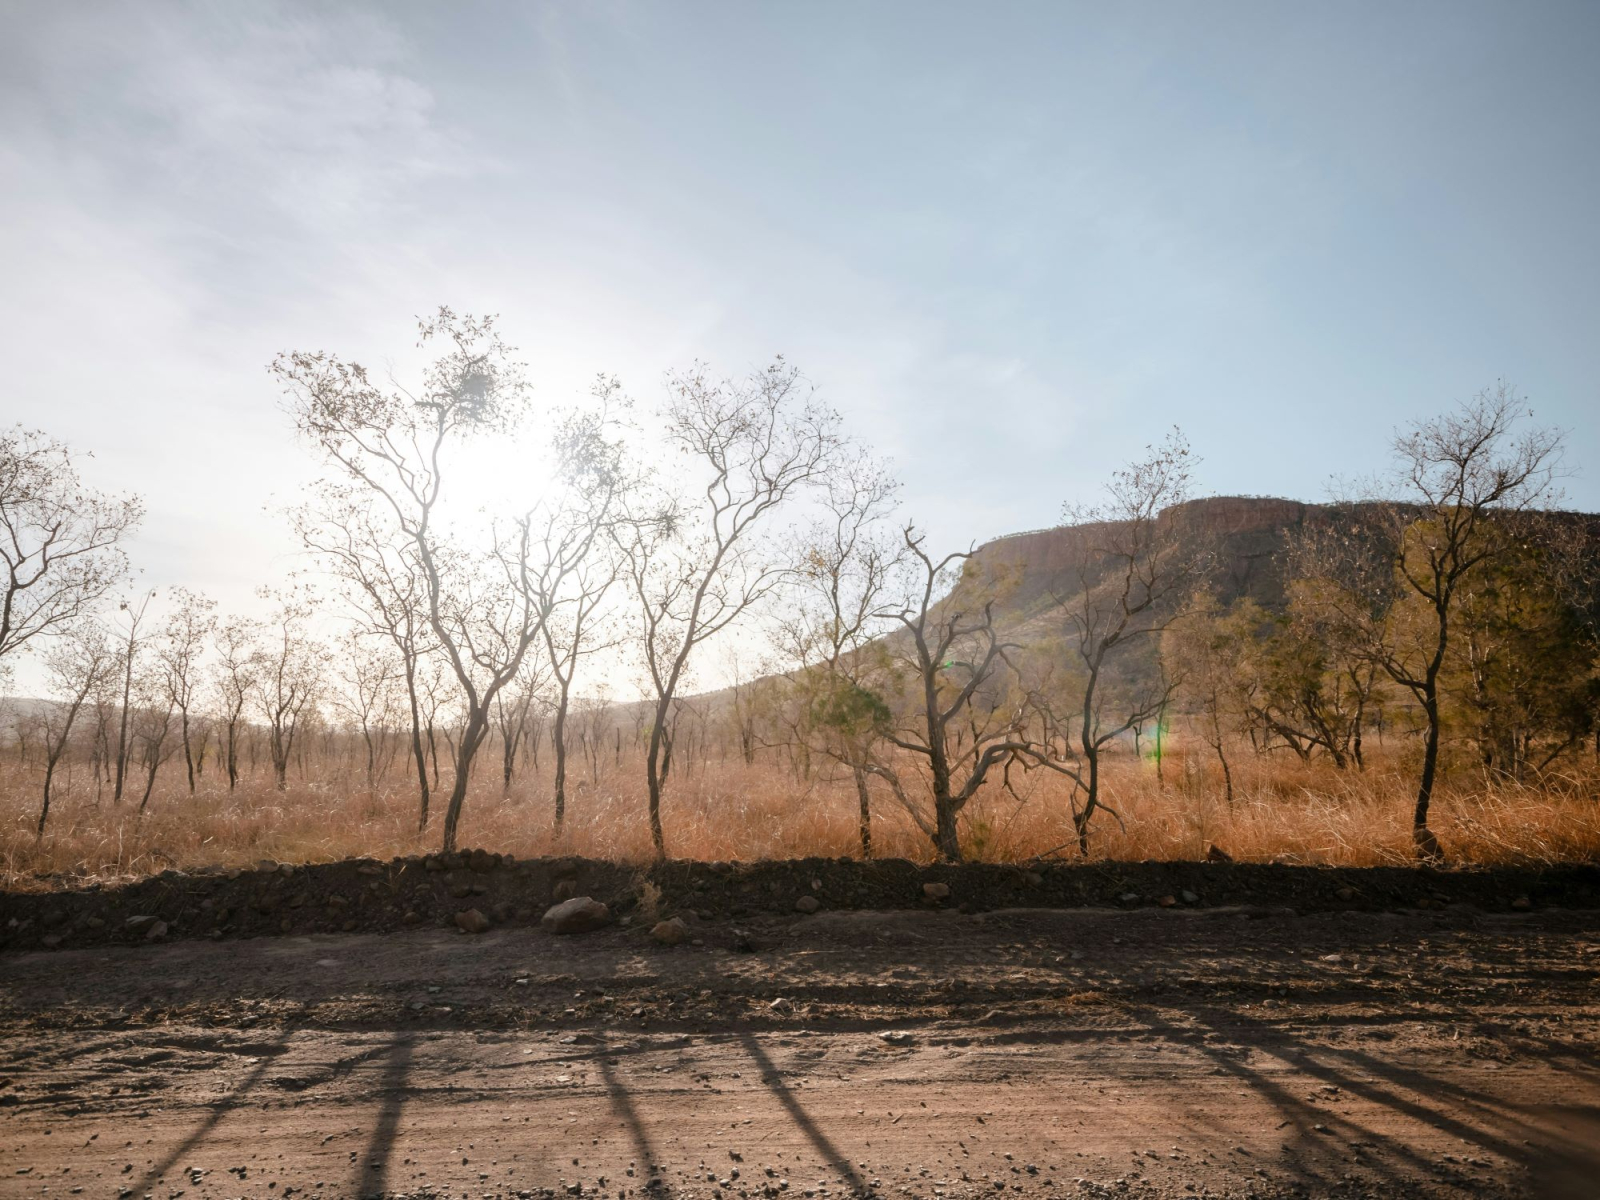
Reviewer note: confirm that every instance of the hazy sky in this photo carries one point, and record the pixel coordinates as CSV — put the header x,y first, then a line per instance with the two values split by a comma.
x,y
1012,242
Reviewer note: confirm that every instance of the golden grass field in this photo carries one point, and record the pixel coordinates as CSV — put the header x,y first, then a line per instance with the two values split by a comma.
x,y
725,809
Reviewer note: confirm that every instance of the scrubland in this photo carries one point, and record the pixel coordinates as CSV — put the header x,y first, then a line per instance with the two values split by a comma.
x,y
721,807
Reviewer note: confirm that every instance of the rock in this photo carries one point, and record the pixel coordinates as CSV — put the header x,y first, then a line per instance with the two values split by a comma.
x,y
1217,854
1167,901
156,932
51,940
1189,897
1032,878
412,917
141,921
895,1037
460,890
577,915
1522,904
936,891
472,921
94,923
807,904
670,933
780,1005
1346,894
1129,898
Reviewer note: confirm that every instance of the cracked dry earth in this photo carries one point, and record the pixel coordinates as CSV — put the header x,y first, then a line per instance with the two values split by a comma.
x,y
1027,1053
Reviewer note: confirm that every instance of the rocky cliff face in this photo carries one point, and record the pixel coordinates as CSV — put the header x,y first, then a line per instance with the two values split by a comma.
x,y
1249,532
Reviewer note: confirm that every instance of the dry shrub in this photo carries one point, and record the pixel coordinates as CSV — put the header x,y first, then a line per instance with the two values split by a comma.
x,y
1283,810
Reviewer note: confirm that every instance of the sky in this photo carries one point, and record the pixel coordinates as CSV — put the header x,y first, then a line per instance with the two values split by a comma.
x,y
1013,243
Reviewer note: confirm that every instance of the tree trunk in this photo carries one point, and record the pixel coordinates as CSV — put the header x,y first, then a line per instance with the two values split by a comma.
x,y
558,743
471,737
865,800
653,780
1426,843
188,751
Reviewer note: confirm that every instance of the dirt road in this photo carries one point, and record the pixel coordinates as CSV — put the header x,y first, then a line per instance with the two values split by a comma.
x,y
1032,1053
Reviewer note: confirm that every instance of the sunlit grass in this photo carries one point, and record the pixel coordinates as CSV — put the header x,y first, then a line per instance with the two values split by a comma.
x,y
1283,810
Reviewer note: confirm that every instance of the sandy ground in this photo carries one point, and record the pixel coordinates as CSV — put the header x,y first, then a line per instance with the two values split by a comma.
x,y
1034,1053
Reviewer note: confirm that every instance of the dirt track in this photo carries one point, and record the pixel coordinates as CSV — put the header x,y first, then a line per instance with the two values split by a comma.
x,y
1079,1052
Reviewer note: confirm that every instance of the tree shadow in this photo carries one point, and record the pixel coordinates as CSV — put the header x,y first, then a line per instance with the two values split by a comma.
x,y
773,1078
622,1103
219,1109
372,1168
1480,1119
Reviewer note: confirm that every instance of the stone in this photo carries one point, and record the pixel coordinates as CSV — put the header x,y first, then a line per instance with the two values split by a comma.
x,y
1189,897
1346,894
1522,904
1217,854
139,922
1167,901
156,932
1129,898
895,1037
412,917
936,891
581,914
807,904
472,921
1033,878
671,932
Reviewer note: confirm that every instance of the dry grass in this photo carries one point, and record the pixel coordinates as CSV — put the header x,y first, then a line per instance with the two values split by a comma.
x,y
1282,810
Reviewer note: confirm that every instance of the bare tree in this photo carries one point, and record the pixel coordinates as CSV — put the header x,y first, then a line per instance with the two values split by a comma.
x,y
80,663
367,674
960,716
695,567
577,629
359,542
234,679
487,605
133,614
288,677
829,629
1456,478
189,626
1133,568
60,551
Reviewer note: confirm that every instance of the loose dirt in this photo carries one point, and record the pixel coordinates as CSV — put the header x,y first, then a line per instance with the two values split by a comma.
x,y
1091,1051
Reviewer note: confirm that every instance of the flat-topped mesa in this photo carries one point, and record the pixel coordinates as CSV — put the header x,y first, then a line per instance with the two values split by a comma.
x,y
1249,531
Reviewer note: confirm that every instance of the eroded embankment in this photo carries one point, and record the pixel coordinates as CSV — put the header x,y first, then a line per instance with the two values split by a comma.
x,y
366,895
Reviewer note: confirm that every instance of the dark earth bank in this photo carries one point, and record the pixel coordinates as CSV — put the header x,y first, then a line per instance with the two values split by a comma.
x,y
367,896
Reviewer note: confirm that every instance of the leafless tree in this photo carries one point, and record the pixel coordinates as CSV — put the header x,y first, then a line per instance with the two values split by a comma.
x,y
695,566
367,674
289,675
486,605
828,631
60,551
132,618
358,542
234,680
1439,518
189,626
960,715
80,662
1134,566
